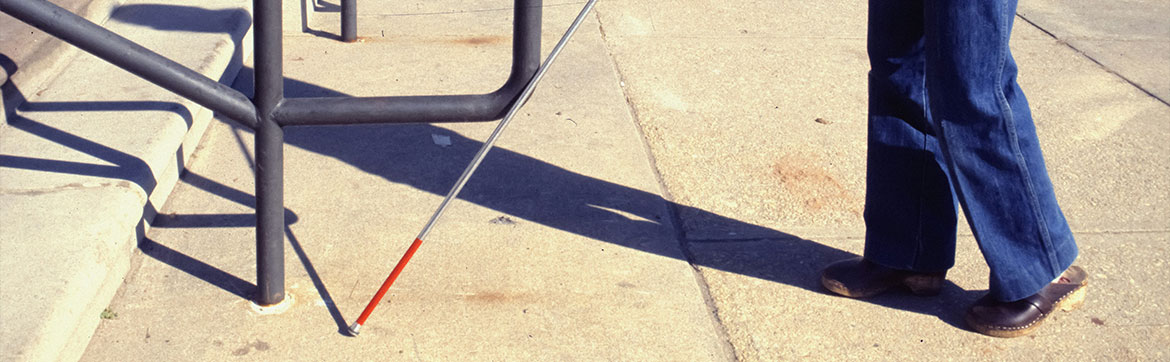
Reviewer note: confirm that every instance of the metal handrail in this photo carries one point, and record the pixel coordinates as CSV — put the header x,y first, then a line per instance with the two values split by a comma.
x,y
268,111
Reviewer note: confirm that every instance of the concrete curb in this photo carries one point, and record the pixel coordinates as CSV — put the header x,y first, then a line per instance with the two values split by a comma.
x,y
88,160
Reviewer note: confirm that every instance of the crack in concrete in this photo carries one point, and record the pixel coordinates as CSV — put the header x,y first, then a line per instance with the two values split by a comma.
x,y
671,207
1104,67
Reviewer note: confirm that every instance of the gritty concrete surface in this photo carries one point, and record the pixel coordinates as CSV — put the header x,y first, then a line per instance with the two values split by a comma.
x,y
90,157
29,58
1130,37
770,298
561,249
670,193
758,130
61,265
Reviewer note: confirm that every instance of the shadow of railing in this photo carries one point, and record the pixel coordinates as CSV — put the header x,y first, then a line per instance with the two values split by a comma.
x,y
522,186
548,195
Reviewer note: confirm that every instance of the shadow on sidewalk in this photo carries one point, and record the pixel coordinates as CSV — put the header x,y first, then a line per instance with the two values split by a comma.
x,y
521,186
509,182
124,166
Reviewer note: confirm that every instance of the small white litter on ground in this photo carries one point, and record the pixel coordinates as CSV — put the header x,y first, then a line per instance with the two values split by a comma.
x,y
441,140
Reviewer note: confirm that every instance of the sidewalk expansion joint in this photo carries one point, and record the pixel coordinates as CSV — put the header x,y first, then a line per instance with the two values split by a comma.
x,y
671,206
1094,60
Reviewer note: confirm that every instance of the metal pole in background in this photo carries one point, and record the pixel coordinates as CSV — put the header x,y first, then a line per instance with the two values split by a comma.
x,y
269,154
349,21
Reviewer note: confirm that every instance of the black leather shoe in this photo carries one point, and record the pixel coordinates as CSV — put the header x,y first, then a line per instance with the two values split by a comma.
x,y
1014,319
860,278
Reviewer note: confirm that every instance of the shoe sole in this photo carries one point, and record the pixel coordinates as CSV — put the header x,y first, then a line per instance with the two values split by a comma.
x,y
922,285
1074,300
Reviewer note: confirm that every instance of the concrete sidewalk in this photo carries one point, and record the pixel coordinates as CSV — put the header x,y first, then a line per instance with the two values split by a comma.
x,y
759,117
669,193
88,156
556,256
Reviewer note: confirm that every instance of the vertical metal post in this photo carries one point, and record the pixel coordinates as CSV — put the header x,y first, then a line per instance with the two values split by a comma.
x,y
526,39
348,21
269,153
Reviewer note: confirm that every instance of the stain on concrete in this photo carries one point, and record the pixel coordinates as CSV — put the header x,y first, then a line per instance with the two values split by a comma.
x,y
258,345
636,25
809,183
72,186
242,350
481,40
503,220
494,297
472,41
670,100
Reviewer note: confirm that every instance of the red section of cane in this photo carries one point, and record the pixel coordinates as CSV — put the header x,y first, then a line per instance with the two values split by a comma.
x,y
357,326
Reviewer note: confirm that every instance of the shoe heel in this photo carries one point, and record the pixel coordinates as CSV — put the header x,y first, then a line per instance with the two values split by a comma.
x,y
1074,300
925,285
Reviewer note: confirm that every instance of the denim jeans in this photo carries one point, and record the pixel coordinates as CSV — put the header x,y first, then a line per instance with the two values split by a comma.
x,y
949,126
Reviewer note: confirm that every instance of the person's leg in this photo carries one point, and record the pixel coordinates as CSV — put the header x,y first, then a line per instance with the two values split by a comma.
x,y
909,207
990,144
910,215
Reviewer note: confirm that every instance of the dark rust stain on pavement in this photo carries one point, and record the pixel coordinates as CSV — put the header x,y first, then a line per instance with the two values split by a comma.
x,y
493,297
481,40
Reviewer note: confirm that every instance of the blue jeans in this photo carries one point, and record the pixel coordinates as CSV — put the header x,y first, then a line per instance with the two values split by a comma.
x,y
949,126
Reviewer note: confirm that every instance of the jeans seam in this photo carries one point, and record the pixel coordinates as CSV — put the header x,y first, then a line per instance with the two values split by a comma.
x,y
922,175
1009,119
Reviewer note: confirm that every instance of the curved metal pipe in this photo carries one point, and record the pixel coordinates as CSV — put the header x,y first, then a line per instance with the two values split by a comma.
x,y
428,109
